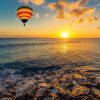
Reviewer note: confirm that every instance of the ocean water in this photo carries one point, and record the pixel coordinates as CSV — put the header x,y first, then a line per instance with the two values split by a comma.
x,y
20,53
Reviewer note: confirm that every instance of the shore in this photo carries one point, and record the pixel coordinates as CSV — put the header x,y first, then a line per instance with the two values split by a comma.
x,y
67,83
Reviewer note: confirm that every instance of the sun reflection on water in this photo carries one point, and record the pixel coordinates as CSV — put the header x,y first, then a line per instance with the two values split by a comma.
x,y
63,48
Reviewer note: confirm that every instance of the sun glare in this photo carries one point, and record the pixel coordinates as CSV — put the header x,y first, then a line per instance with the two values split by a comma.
x,y
65,35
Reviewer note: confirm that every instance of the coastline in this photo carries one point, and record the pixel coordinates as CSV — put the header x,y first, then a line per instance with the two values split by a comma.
x,y
67,83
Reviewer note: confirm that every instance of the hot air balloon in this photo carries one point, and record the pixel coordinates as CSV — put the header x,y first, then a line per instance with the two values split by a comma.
x,y
24,13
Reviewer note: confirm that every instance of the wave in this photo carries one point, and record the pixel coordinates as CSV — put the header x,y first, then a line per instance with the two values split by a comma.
x,y
31,44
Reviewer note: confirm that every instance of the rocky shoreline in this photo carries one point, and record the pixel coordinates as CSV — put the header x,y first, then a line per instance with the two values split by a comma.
x,y
67,83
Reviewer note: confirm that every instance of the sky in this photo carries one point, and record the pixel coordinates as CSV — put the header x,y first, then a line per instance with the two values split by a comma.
x,y
79,18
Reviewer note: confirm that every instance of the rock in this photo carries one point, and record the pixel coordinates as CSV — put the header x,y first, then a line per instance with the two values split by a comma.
x,y
97,80
77,76
98,86
7,98
96,93
55,91
46,98
25,97
4,94
58,86
79,90
88,85
70,86
46,85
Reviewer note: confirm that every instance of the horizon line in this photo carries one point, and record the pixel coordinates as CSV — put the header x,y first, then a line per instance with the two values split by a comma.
x,y
45,38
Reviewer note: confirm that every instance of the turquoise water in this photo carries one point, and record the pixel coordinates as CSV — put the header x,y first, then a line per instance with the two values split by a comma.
x,y
49,52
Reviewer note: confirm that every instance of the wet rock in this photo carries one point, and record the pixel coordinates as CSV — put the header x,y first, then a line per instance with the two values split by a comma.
x,y
96,93
79,90
98,86
25,97
69,85
4,94
65,96
7,98
63,84
58,86
46,85
88,85
46,93
54,90
97,80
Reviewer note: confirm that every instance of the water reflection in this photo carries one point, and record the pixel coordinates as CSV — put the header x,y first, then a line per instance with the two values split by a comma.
x,y
64,48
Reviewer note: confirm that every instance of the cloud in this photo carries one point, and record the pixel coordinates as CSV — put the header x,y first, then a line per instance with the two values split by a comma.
x,y
52,6
60,6
36,2
98,27
79,3
98,4
82,11
37,15
97,13
46,15
24,1
61,14
77,10
82,2
3,32
80,20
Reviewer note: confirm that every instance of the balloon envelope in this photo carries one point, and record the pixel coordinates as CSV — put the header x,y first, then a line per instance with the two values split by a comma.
x,y
24,13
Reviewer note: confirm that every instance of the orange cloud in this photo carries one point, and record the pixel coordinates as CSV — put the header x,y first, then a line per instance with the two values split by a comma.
x,y
82,11
61,8
52,6
76,10
98,27
36,2
80,20
82,2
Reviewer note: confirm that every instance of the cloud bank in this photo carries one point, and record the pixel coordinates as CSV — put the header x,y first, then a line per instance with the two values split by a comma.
x,y
79,10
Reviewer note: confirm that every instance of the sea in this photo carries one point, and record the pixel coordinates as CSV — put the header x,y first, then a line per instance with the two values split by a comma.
x,y
18,53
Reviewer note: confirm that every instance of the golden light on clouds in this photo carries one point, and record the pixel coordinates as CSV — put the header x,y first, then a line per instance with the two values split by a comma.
x,y
36,2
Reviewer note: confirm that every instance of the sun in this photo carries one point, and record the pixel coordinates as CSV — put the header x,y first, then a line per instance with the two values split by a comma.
x,y
64,34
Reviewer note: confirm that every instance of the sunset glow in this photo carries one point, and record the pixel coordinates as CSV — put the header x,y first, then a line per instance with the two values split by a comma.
x,y
65,35
78,17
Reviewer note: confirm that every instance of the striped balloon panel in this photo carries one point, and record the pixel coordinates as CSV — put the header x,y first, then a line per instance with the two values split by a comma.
x,y
24,13
24,10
